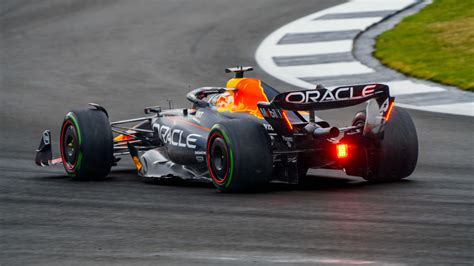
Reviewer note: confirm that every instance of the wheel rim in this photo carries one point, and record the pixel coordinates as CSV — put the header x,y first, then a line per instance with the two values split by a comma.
x,y
218,158
69,145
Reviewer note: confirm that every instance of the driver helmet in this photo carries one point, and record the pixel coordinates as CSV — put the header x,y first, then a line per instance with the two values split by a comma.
x,y
222,100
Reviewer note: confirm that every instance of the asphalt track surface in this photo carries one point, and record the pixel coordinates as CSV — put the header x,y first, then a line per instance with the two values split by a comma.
x,y
125,55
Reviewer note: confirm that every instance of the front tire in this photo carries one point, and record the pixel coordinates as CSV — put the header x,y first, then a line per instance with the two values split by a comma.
x,y
239,155
86,144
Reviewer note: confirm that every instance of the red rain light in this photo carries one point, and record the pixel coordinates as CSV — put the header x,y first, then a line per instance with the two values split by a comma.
x,y
342,151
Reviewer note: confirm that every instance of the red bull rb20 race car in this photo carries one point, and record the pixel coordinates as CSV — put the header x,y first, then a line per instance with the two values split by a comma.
x,y
243,136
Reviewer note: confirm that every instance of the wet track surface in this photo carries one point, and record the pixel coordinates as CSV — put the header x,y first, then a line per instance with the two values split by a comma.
x,y
125,55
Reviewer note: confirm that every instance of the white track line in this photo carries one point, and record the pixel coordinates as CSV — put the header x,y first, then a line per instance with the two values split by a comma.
x,y
458,108
334,25
270,48
324,70
359,6
309,48
464,109
409,87
370,5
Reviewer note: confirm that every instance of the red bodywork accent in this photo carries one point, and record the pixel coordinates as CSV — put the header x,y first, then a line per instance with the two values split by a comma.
x,y
389,112
211,138
123,137
288,123
189,123
61,146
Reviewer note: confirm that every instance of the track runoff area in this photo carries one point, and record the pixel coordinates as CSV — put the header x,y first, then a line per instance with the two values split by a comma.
x,y
318,49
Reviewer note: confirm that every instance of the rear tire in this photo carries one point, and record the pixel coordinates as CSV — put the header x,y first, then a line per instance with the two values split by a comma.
x,y
397,153
86,144
239,155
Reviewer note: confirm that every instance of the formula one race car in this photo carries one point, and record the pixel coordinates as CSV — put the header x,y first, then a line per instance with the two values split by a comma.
x,y
244,135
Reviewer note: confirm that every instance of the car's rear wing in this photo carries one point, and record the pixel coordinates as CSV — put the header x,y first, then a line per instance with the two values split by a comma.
x,y
377,95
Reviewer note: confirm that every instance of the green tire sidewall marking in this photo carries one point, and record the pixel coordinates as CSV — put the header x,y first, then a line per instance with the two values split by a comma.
x,y
231,155
72,117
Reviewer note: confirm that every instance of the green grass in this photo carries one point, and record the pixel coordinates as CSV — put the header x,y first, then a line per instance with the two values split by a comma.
x,y
436,44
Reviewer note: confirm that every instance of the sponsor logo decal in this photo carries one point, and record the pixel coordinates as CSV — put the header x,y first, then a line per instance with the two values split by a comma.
x,y
271,113
325,95
175,136
268,127
199,113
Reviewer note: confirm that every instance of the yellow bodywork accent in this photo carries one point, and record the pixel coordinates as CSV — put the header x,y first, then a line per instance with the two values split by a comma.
x,y
137,162
232,83
120,137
